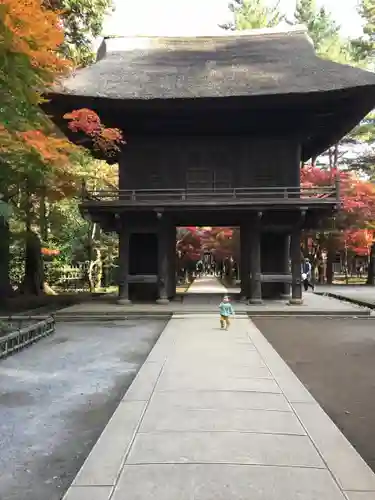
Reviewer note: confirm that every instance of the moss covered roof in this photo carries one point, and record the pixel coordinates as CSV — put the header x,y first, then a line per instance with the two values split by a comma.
x,y
260,62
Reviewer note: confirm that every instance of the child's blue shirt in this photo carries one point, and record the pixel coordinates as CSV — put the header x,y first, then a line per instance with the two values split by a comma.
x,y
226,309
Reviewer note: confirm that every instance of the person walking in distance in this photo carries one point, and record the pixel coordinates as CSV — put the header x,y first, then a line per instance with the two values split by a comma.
x,y
226,311
306,275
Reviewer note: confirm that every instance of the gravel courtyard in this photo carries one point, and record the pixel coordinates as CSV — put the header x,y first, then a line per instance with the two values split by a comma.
x,y
57,396
335,359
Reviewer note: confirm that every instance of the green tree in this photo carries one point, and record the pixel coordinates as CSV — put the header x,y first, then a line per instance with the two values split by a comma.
x,y
82,21
364,135
322,28
363,51
364,47
39,167
253,14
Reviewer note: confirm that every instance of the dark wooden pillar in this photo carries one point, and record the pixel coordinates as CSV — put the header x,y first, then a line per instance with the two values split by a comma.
x,y
245,229
295,241
295,252
286,267
163,259
123,278
255,263
172,261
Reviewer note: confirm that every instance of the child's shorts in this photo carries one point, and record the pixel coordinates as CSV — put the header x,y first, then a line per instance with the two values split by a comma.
x,y
224,320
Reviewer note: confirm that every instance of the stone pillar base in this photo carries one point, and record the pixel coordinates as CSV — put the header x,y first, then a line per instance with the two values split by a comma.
x,y
256,301
285,296
124,302
296,302
162,301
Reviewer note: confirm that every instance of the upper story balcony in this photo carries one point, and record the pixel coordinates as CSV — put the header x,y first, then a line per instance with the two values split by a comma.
x,y
257,197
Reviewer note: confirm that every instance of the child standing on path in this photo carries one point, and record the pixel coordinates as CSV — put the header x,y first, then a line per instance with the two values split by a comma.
x,y
226,311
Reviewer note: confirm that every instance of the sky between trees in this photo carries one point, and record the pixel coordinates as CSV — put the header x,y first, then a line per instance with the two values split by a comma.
x,y
178,17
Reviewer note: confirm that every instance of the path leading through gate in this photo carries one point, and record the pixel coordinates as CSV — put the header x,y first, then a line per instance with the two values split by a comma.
x,y
218,415
207,290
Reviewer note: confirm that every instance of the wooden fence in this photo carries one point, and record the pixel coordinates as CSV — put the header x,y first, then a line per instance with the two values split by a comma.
x,y
75,278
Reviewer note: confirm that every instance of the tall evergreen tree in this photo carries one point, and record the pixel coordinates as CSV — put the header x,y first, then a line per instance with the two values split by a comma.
x,y
364,47
324,32
253,14
322,28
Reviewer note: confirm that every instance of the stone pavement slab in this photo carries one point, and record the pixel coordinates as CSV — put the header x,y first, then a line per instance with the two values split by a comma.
x,y
361,294
237,371
342,459
225,400
204,296
163,418
113,445
143,384
225,482
360,495
224,447
218,415
89,493
210,383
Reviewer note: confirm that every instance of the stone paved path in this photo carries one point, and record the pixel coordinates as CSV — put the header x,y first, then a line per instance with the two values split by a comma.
x,y
361,294
206,291
207,285
203,297
218,415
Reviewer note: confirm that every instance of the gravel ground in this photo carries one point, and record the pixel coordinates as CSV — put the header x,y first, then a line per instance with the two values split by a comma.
x,y
335,359
57,396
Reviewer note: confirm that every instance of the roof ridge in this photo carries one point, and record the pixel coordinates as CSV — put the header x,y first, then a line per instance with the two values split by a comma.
x,y
279,29
130,43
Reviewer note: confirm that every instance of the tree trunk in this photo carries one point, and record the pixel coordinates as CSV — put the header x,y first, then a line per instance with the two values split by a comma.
x,y
371,267
330,260
5,286
90,246
305,245
346,265
33,282
333,155
43,222
321,272
336,155
28,210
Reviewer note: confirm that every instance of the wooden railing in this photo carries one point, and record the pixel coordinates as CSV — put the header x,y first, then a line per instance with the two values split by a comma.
x,y
23,331
208,196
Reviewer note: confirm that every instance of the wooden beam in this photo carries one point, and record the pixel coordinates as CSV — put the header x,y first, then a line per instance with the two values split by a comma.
x,y
295,249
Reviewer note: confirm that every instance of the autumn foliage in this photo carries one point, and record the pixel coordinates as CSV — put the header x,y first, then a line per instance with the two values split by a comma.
x,y
30,36
194,241
30,62
50,252
354,221
36,32
104,139
53,150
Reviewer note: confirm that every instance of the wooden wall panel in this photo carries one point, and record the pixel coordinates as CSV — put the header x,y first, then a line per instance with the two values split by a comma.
x,y
205,161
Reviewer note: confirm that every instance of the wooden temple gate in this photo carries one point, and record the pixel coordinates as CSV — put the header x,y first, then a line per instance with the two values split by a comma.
x,y
217,129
